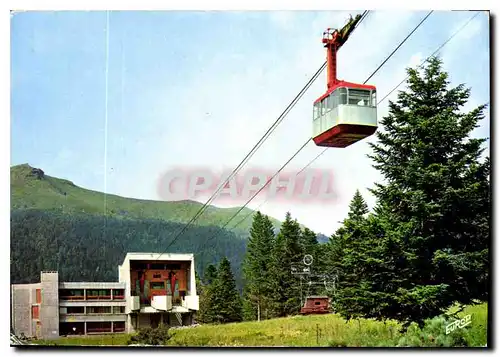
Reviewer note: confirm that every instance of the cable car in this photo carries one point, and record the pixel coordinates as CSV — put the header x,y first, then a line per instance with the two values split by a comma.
x,y
347,112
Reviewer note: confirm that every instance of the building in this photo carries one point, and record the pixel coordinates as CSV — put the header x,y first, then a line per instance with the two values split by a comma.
x,y
152,288
316,305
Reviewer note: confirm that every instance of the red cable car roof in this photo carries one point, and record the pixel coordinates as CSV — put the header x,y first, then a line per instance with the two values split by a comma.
x,y
344,84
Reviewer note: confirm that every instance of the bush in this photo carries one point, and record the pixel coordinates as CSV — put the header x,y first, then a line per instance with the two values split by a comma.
x,y
434,334
151,336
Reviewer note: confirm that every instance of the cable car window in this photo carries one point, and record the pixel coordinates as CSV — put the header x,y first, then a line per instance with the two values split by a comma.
x,y
374,99
359,97
332,100
342,96
316,111
323,107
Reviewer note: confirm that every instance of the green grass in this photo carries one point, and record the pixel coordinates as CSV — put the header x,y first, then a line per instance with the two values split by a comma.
x,y
51,193
298,331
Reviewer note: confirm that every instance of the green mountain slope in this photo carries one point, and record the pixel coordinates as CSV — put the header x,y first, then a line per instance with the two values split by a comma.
x,y
32,189
90,247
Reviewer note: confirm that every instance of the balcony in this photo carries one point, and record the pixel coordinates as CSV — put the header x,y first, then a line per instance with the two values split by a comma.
x,y
92,294
162,302
191,302
133,303
73,298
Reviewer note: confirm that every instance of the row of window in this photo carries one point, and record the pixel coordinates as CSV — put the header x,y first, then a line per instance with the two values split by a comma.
x,y
80,310
91,294
340,96
155,266
79,328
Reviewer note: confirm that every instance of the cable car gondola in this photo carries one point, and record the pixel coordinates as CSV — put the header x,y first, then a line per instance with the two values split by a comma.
x,y
347,112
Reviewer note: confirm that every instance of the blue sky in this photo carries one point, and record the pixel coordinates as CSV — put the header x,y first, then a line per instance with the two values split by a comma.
x,y
190,89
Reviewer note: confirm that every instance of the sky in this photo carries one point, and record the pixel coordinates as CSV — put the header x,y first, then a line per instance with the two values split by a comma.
x,y
113,105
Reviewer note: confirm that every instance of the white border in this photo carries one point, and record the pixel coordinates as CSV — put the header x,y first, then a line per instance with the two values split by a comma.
x,y
169,5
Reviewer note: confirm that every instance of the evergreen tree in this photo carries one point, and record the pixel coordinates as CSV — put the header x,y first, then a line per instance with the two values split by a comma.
x,y
309,245
308,242
348,247
226,303
210,274
256,267
206,313
286,252
433,210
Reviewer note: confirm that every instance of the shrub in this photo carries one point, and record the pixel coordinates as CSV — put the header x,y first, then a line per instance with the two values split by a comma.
x,y
151,336
433,334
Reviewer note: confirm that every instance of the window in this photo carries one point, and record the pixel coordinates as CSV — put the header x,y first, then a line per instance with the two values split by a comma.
x,y
118,309
323,106
157,285
359,97
317,303
75,310
101,294
326,102
38,296
374,98
97,327
71,294
333,100
173,267
118,294
342,93
316,111
35,312
118,326
98,309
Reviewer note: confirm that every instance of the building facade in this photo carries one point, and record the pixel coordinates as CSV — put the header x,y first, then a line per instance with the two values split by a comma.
x,y
152,288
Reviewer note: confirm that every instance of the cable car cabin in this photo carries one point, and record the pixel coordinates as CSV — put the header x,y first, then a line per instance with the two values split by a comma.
x,y
344,115
347,112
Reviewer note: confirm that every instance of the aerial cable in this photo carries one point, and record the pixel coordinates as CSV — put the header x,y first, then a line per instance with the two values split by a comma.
x,y
303,146
380,101
419,66
257,146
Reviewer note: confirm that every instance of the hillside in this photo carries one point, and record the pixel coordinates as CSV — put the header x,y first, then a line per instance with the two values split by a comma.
x,y
311,331
85,247
31,188
56,225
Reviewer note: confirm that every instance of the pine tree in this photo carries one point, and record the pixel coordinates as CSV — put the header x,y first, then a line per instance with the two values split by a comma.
x,y
348,248
210,275
286,252
206,313
226,303
309,245
256,267
308,242
433,210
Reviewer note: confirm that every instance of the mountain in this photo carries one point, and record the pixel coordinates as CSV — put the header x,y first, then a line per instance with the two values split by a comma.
x,y
322,238
56,225
31,188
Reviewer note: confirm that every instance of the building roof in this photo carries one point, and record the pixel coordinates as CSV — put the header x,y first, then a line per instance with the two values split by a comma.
x,y
158,256
318,297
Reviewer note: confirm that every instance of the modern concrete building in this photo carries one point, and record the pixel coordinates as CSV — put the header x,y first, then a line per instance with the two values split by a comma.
x,y
152,288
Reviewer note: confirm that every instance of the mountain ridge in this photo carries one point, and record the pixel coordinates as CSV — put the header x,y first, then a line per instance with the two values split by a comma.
x,y
32,188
